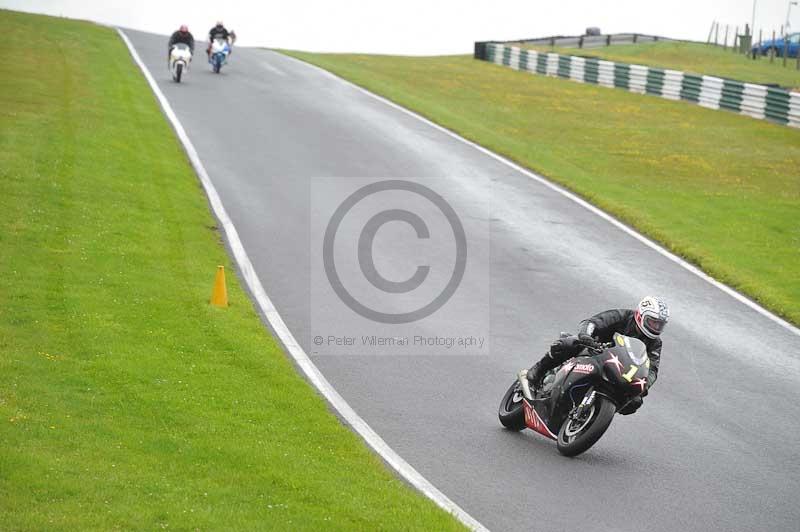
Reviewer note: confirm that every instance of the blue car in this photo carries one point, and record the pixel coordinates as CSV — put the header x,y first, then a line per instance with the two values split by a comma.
x,y
764,47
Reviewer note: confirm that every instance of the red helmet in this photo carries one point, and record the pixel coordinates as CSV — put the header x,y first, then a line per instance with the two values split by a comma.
x,y
184,28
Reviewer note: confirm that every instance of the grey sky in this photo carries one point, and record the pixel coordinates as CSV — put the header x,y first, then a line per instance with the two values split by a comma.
x,y
416,26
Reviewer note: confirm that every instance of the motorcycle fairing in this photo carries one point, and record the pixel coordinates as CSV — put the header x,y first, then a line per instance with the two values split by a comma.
x,y
572,380
627,364
534,422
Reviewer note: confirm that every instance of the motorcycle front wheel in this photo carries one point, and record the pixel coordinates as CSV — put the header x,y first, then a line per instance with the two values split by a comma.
x,y
511,413
578,434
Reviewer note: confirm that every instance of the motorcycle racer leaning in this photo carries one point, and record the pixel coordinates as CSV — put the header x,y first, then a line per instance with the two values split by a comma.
x,y
646,323
183,35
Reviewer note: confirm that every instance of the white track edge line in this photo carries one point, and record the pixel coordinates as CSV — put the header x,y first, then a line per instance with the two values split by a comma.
x,y
572,196
301,358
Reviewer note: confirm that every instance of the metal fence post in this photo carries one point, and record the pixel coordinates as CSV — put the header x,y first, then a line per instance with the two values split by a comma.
x,y
608,40
772,49
785,48
757,52
735,39
716,34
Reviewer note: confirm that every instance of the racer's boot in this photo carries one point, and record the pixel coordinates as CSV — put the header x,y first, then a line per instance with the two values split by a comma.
x,y
539,370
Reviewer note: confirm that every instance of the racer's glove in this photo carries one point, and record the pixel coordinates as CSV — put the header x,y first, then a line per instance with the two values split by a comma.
x,y
588,340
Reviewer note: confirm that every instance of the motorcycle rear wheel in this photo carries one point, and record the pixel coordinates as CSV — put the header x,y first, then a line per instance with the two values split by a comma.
x,y
576,436
178,72
511,412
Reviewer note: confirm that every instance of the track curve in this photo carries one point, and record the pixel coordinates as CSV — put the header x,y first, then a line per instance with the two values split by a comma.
x,y
714,446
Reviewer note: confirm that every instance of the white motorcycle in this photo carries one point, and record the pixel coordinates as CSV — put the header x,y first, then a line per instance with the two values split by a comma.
x,y
179,58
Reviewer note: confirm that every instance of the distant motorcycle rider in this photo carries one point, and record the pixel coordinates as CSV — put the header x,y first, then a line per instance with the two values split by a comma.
x,y
219,32
646,323
182,36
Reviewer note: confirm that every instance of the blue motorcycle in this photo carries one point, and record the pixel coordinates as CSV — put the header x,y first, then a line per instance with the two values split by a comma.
x,y
220,50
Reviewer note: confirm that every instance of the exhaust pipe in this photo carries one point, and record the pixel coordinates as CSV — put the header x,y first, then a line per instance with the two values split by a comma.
x,y
523,382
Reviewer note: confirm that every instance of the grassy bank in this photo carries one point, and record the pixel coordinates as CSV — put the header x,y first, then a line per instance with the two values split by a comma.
x,y
694,57
126,401
720,189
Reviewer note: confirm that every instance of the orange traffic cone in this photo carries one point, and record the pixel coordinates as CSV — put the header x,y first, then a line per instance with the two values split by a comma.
x,y
219,297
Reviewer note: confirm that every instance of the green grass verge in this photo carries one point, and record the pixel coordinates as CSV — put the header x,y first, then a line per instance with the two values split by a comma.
x,y
126,400
698,58
720,189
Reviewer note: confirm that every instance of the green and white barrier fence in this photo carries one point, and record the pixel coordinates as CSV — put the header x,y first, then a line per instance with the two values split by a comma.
x,y
758,101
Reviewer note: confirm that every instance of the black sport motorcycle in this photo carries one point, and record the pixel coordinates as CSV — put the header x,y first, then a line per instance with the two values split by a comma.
x,y
578,400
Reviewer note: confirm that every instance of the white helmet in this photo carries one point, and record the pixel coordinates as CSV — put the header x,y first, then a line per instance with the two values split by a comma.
x,y
652,316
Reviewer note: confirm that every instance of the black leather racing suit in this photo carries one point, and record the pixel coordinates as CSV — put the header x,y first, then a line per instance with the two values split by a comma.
x,y
218,32
602,326
182,37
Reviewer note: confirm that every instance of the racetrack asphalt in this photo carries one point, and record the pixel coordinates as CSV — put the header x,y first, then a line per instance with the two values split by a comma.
x,y
714,447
